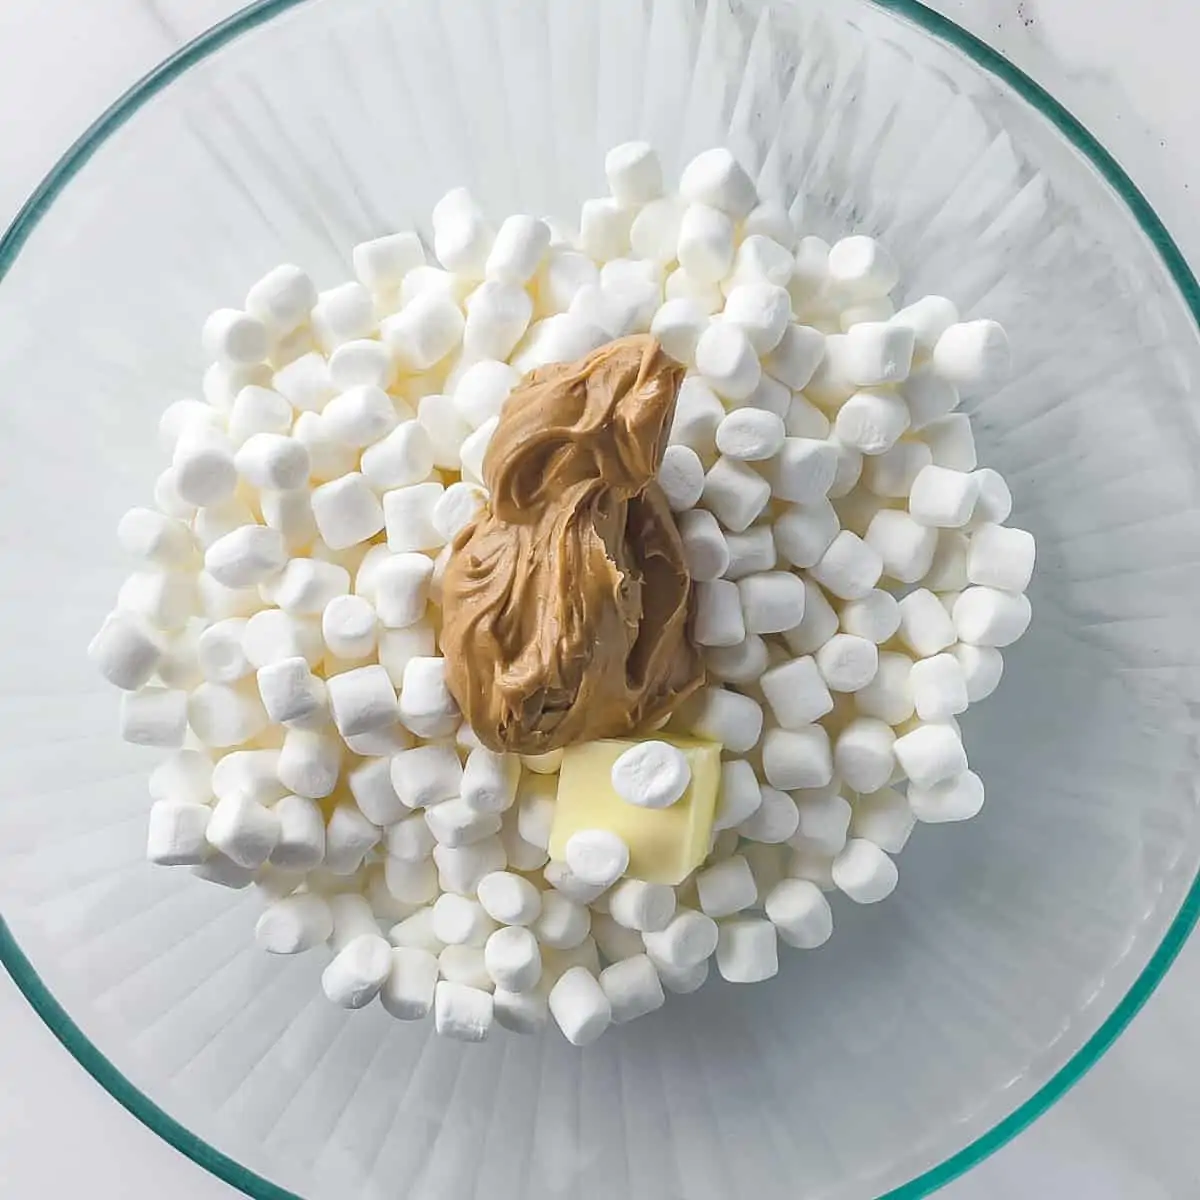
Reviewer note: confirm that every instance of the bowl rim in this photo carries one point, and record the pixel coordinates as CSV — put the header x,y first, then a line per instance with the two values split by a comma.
x,y
93,1060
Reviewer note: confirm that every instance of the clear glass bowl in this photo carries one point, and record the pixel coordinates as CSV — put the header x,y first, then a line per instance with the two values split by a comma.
x,y
932,1027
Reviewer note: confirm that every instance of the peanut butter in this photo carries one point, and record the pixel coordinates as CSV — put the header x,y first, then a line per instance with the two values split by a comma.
x,y
566,602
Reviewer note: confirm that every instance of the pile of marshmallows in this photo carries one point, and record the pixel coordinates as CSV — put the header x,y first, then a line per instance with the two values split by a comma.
x,y
855,582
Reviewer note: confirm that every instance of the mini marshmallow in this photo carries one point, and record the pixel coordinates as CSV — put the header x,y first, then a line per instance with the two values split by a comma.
x,y
243,830
184,777
562,923
889,695
797,758
402,458
872,420
706,243
597,856
800,913
521,1012
512,958
408,992
880,352
995,501
382,263
359,417
363,362
219,602
681,285
875,617
353,979
580,1007
397,646
928,397
681,477
717,618
892,473
535,809
698,413
175,835
290,514
456,508
562,275
401,588
651,774
813,865
282,299
305,383
727,717
803,533
739,796
847,472
928,318
704,545
863,756
775,821
769,219
958,798
943,498
744,662
925,626
125,651
203,471
771,601
347,512
804,419
878,309
982,668
939,687
677,325
796,692
560,877
410,838
688,939
408,512
452,823
604,227
803,470
861,268
271,636
864,872
951,442
223,715
426,706
258,410
634,173
1001,558
883,817
973,354
348,838
328,460
498,314
167,498
715,177
301,842
156,538
234,337
632,987
759,260
773,397
412,882
371,786
458,921
474,448
521,243
510,899
726,358
294,924
735,493
750,435
930,754
762,311
446,429
482,390
905,546
426,775
849,568
252,773
750,553
292,695
309,763
424,331
747,950
349,627
342,314
165,599
362,700
797,357
645,907
824,820
461,236
984,616
682,980
416,933
615,942
489,782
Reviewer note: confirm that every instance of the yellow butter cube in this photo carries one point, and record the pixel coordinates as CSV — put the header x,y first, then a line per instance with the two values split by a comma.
x,y
665,844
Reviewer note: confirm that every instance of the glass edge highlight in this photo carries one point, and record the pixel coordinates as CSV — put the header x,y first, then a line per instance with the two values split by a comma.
x,y
200,1152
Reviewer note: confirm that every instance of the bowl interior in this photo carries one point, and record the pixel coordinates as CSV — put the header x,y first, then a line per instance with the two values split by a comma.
x,y
926,1021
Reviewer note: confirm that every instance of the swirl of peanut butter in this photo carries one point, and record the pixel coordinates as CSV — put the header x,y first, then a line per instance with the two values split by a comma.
x,y
566,602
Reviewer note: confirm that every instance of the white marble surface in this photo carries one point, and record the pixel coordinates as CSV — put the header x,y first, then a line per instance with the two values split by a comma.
x,y
1127,1132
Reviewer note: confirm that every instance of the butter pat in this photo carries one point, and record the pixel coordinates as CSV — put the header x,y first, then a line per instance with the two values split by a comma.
x,y
665,845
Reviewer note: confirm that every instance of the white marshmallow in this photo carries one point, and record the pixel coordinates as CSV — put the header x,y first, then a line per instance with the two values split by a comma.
x,y
408,513
742,663
634,173
521,243
705,249
819,623
309,763
928,397
864,872
804,419
465,965
847,472
347,512
156,538
235,338
651,774
510,899
984,616
292,695
995,500
176,833
294,924
795,359
925,626
726,887
408,992
258,410
402,589
638,905
301,843
762,311
735,493
349,627
1000,557
290,513
456,508
342,314
771,396
220,602
489,782
875,617
382,263
677,326
928,318
397,646
474,449
415,932
872,421
521,1012
362,700
271,636
424,331
728,717
958,798
243,830
943,498
750,435
328,460
402,458
512,958
305,383
410,838
688,939
747,950
717,618
951,442
681,477
891,474
796,692
849,568
704,545
614,941
480,393
973,354
360,416
452,823
775,821
371,786
803,470
125,651
682,980
698,413
604,226
797,758
769,219
252,773
654,234
562,923
459,921
167,498
426,775
800,913
375,743
930,754
562,275
361,363
282,299
597,856
905,546
771,601
739,796
223,715
802,533
165,599
461,236
982,668
758,260
446,429
813,865
889,695
681,285
939,687
356,974
184,777
880,352
883,817
715,177
750,553
863,756
426,706
348,838
824,820
202,468
859,267
535,809
632,987
562,879
878,309
726,359
579,1006
412,882
498,314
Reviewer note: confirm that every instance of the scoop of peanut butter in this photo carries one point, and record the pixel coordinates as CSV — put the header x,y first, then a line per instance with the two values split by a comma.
x,y
566,602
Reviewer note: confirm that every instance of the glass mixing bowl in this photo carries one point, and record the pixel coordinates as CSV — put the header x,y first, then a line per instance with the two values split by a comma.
x,y
932,1027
